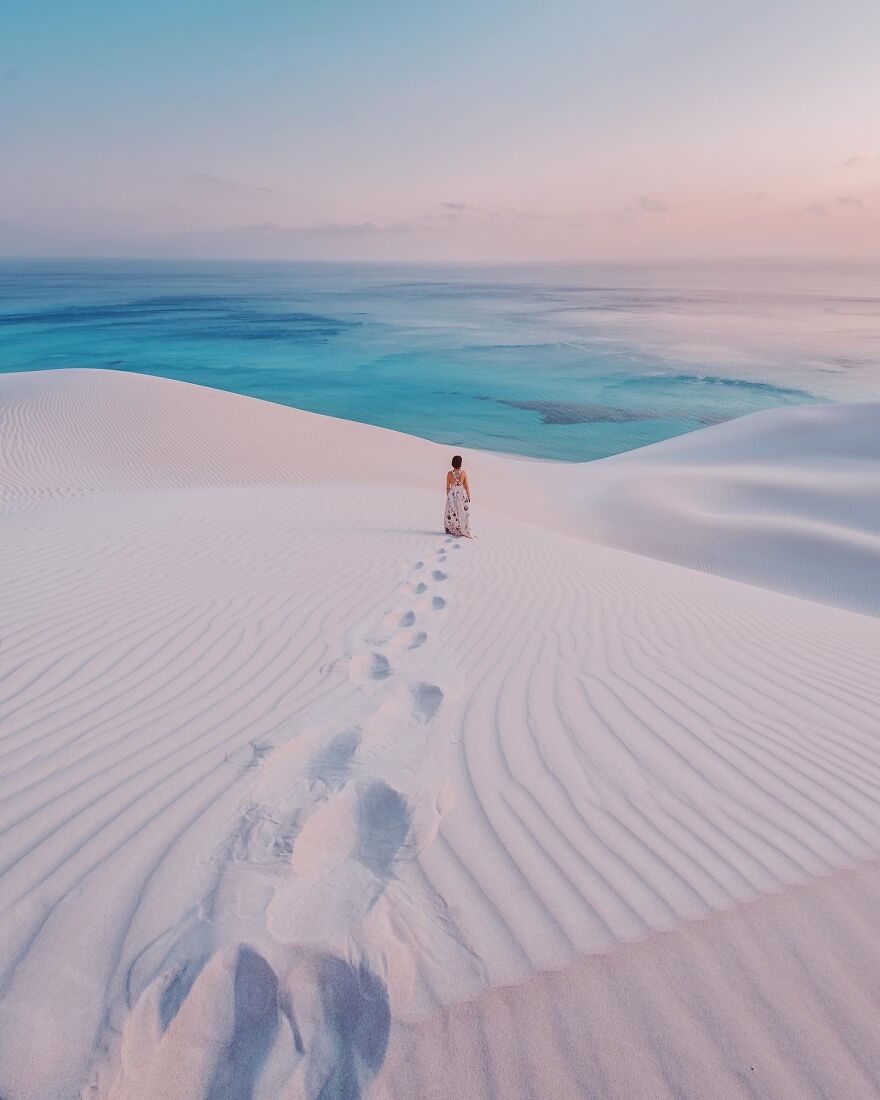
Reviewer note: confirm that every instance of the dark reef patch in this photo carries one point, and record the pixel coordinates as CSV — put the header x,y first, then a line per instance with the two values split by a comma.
x,y
578,412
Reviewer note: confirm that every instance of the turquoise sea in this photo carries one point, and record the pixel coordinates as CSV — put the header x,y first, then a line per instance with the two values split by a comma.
x,y
559,362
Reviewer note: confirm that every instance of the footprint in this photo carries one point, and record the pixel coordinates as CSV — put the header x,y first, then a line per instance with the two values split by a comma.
x,y
426,701
382,827
415,589
342,1019
419,565
411,639
439,575
407,619
438,603
369,666
332,761
202,1037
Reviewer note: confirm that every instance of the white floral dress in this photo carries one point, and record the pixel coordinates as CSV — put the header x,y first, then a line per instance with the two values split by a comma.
x,y
458,508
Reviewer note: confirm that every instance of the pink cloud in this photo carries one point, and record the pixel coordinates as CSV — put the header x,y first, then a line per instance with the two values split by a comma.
x,y
852,201
652,205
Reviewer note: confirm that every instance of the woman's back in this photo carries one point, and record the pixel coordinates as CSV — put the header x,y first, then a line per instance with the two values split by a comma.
x,y
458,500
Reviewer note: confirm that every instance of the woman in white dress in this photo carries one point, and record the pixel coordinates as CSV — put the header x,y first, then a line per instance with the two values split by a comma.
x,y
458,501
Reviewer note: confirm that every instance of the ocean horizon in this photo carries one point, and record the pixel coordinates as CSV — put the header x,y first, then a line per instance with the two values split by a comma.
x,y
570,362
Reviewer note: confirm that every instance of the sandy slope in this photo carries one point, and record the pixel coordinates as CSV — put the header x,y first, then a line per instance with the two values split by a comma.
x,y
299,798
787,499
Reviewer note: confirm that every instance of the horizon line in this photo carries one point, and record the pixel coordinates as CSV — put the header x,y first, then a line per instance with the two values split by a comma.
x,y
647,261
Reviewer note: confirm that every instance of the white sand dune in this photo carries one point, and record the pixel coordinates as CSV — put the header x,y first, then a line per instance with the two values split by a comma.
x,y
786,499
300,798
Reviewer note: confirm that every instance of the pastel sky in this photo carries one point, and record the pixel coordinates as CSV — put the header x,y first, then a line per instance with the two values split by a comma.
x,y
479,130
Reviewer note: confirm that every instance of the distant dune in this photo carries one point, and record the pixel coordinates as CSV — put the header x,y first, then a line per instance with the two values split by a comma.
x,y
301,798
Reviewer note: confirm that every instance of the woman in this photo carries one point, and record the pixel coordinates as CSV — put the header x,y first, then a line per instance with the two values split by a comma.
x,y
458,501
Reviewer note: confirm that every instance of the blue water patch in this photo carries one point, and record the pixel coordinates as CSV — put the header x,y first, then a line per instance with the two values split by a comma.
x,y
566,363
201,318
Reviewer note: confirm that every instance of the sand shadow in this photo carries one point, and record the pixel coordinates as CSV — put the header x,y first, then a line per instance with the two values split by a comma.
x,y
355,1024
383,827
255,1018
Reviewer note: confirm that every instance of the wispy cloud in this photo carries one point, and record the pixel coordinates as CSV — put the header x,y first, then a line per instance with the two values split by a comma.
x,y
650,204
218,184
353,229
464,212
435,230
319,230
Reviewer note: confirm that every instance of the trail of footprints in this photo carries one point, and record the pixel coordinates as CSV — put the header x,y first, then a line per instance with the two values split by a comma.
x,y
334,813
355,792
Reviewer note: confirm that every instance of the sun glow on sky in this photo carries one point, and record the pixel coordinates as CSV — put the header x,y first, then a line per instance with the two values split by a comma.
x,y
572,129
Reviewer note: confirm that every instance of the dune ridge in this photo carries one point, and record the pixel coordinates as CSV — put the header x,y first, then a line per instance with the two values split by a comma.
x,y
300,795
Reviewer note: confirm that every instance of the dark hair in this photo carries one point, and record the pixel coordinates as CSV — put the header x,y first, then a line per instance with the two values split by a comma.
x,y
456,462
